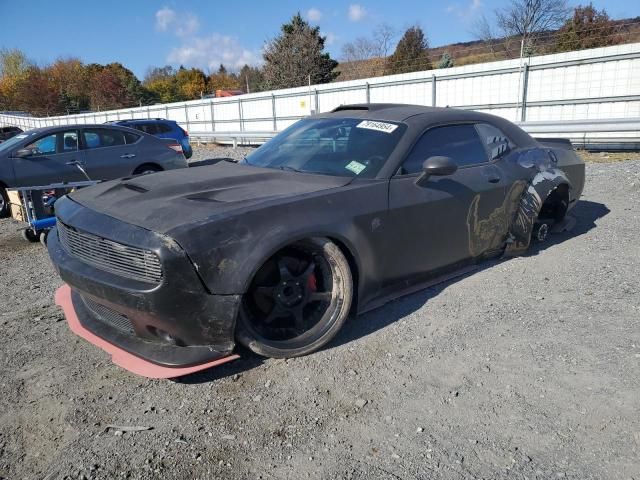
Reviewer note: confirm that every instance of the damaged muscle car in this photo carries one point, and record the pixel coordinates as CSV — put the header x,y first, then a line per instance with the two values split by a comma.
x,y
338,214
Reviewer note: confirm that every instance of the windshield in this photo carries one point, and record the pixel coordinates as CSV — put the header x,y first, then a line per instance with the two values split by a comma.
x,y
13,141
346,147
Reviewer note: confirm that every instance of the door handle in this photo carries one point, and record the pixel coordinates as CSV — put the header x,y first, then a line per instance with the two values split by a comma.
x,y
493,178
74,162
128,155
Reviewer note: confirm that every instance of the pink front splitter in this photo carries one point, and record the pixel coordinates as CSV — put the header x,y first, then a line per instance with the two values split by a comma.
x,y
121,357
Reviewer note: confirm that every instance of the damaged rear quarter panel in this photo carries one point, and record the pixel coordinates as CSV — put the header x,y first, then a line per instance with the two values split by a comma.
x,y
545,178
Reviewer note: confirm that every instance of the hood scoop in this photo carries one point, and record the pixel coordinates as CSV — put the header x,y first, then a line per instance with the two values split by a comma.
x,y
135,187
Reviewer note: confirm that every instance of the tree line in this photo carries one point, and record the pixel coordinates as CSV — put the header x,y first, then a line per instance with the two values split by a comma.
x,y
296,57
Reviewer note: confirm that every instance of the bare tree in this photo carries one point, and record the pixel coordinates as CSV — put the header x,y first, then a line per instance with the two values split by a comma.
x,y
361,48
484,31
528,18
383,36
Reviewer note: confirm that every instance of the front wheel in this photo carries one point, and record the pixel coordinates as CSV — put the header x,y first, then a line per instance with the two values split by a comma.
x,y
4,204
30,236
298,300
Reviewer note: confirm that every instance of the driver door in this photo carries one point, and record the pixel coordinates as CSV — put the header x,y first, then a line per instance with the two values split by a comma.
x,y
435,222
51,161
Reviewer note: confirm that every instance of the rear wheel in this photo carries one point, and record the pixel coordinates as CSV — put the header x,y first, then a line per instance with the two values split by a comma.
x,y
4,204
147,169
30,236
298,300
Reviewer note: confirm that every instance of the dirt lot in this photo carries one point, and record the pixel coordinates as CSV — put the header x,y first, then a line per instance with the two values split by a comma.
x,y
526,368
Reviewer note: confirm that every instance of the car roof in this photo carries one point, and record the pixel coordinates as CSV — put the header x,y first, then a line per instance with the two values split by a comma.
x,y
399,112
81,125
421,117
143,120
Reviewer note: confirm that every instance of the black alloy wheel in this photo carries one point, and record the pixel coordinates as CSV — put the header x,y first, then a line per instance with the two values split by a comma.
x,y
298,300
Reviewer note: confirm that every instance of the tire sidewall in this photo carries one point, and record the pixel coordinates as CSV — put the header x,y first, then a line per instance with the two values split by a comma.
x,y
6,209
340,266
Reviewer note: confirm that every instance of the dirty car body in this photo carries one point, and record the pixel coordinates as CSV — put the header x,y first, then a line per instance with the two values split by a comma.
x,y
408,194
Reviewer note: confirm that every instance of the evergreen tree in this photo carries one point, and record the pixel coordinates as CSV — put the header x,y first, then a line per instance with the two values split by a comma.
x,y
411,53
297,56
445,61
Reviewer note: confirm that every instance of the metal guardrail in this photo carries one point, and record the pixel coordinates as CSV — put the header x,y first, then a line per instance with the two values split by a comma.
x,y
235,137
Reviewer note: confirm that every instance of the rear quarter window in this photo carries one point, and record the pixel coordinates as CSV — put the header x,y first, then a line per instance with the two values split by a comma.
x,y
103,138
131,137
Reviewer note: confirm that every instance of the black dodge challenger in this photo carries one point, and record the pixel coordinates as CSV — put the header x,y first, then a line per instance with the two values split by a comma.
x,y
339,213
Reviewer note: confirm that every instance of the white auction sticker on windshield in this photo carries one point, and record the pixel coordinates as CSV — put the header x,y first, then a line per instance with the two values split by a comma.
x,y
378,126
355,167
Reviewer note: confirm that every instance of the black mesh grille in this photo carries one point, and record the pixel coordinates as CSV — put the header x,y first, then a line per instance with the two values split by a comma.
x,y
113,257
111,317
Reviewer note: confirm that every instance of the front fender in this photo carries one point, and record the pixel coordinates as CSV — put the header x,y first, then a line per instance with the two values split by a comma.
x,y
227,253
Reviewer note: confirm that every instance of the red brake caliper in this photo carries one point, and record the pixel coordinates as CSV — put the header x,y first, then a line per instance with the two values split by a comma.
x,y
311,284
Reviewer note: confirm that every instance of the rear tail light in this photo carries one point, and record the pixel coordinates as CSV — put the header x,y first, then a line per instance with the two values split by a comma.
x,y
176,147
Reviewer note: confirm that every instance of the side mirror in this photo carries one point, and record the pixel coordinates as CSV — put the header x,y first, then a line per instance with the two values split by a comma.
x,y
437,166
24,153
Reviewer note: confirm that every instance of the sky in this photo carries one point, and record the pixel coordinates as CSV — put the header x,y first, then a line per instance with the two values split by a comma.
x,y
198,33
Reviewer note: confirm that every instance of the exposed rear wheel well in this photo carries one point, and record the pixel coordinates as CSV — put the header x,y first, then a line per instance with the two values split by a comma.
x,y
556,204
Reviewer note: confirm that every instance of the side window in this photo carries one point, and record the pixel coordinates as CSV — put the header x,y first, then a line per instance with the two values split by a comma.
x,y
131,137
149,128
103,137
44,146
162,128
458,142
69,141
496,142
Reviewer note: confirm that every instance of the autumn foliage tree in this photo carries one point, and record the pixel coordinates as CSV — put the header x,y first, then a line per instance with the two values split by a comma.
x,y
223,80
191,83
161,82
588,28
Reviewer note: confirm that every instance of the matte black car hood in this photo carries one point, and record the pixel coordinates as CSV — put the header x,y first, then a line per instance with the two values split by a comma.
x,y
165,201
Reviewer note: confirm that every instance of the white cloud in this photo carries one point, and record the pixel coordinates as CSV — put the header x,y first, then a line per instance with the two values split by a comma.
x,y
314,14
182,25
330,38
210,51
164,17
356,12
465,11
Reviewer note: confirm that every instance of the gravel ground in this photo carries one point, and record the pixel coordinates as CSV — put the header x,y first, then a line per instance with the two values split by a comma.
x,y
526,368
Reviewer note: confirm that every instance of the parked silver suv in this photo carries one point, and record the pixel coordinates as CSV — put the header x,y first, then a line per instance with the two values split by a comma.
x,y
54,154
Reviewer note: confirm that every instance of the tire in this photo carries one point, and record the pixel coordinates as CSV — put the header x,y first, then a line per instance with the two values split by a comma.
x,y
30,236
147,169
43,237
5,208
297,301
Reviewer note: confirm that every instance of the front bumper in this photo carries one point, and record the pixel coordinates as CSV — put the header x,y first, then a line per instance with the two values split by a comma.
x,y
122,357
165,330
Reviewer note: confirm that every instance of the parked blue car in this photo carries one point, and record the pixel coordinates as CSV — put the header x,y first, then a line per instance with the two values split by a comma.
x,y
161,128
